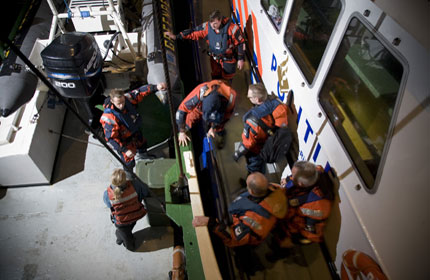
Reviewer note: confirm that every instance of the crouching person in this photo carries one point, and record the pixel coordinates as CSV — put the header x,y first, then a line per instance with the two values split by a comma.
x,y
124,199
254,212
213,102
254,215
310,197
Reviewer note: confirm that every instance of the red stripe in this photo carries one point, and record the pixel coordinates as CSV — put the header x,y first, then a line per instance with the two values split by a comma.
x,y
241,15
245,4
257,43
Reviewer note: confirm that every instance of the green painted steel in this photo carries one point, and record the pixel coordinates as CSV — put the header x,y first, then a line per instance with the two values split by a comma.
x,y
152,172
182,215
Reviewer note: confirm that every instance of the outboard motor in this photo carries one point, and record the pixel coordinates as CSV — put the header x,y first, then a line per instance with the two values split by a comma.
x,y
73,63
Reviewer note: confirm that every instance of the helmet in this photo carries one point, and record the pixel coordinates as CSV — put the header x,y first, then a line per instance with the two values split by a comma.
x,y
213,107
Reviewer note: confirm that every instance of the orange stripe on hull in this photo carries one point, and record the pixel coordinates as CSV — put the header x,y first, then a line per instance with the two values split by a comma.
x,y
245,5
257,43
242,22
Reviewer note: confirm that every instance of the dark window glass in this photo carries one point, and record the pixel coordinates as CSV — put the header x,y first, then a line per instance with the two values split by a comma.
x,y
359,96
309,28
275,11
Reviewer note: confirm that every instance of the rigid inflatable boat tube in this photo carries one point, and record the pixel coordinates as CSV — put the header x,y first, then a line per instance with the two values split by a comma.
x,y
154,58
18,86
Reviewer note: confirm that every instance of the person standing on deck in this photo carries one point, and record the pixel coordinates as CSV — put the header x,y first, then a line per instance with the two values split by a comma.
x,y
226,44
121,122
124,199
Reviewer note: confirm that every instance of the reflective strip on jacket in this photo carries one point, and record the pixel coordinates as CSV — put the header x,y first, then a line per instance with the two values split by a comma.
x,y
252,222
307,216
128,208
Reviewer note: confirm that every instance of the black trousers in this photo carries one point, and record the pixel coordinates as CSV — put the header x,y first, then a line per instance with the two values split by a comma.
x,y
124,233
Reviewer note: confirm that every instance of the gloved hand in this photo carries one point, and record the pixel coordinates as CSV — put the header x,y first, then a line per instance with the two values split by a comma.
x,y
241,150
162,96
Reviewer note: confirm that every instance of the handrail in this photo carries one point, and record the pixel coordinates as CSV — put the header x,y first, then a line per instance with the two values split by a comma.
x,y
330,264
222,206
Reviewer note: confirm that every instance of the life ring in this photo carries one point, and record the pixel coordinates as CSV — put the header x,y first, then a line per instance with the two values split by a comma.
x,y
357,262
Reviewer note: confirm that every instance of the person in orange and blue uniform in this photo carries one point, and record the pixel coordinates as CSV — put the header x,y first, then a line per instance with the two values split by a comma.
x,y
310,197
254,212
121,121
261,121
226,44
124,198
213,102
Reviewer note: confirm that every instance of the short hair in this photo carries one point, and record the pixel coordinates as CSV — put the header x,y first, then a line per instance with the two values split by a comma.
x,y
215,15
257,183
116,92
306,173
257,90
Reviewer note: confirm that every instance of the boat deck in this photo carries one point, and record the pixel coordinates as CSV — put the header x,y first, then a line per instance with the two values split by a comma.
x,y
63,231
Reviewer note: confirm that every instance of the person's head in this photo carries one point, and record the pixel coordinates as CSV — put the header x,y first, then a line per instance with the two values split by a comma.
x,y
213,108
304,173
215,19
257,93
118,180
257,184
117,98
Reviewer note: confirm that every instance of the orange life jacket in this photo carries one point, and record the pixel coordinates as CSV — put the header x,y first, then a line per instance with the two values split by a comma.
x,y
128,208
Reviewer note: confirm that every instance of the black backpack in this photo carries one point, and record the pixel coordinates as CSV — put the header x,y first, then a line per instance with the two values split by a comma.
x,y
277,144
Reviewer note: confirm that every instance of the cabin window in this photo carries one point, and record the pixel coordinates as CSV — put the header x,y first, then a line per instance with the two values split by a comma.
x,y
359,96
275,11
308,31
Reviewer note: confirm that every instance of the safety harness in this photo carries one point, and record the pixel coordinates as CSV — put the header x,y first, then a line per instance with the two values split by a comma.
x,y
308,197
218,42
131,119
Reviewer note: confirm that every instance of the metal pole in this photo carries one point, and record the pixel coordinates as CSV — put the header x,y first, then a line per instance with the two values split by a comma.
x,y
55,21
33,68
119,24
